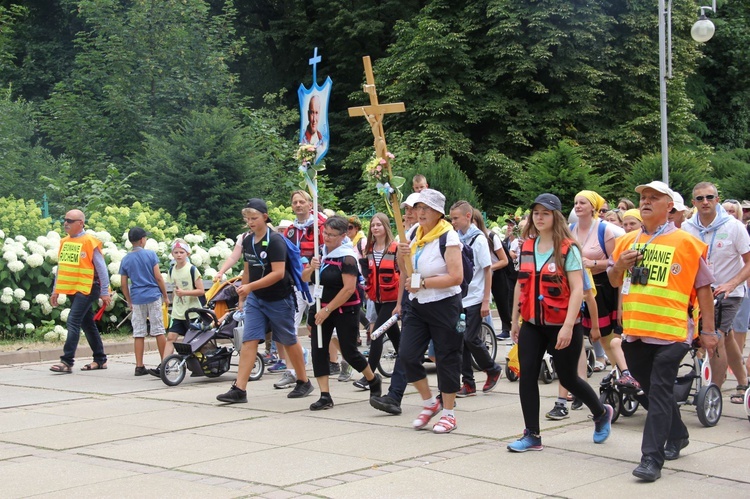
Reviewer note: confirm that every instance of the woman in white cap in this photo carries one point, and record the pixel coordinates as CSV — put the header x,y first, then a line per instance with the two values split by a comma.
x,y
435,292
548,297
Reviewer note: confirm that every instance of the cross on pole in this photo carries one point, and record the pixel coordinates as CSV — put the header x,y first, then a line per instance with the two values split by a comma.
x,y
374,115
313,61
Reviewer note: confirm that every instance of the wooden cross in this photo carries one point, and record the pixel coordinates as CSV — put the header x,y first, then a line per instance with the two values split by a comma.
x,y
374,114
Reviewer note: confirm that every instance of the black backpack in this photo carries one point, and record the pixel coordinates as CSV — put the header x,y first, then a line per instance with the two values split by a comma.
x,y
467,260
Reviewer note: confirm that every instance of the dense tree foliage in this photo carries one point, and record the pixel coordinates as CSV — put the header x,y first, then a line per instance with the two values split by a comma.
x,y
114,100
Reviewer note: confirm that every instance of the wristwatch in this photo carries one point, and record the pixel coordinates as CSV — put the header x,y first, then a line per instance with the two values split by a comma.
x,y
422,285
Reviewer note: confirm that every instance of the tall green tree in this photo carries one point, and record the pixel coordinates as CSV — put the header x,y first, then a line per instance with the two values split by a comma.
x,y
140,67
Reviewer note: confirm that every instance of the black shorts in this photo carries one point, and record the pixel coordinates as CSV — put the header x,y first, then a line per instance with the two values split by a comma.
x,y
179,326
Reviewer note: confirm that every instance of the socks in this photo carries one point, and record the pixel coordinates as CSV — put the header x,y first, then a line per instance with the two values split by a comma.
x,y
450,413
430,402
562,401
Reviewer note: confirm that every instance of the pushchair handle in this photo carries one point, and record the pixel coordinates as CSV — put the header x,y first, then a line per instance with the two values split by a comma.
x,y
204,314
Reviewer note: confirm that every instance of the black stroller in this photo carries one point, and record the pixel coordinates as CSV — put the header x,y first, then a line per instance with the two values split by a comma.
x,y
209,344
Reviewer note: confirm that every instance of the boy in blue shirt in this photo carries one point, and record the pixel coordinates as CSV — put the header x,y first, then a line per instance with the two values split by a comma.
x,y
145,295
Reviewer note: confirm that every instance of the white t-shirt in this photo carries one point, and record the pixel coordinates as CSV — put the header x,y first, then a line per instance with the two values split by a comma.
x,y
725,251
497,245
515,248
430,264
482,260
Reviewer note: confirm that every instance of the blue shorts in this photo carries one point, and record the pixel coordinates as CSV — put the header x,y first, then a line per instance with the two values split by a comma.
x,y
279,314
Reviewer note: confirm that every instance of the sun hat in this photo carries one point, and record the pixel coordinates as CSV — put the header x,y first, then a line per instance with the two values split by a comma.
x,y
432,198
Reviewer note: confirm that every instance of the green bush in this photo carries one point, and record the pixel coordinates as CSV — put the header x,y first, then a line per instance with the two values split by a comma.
x,y
24,218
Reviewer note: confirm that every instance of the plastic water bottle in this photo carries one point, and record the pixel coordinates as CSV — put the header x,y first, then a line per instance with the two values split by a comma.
x,y
461,326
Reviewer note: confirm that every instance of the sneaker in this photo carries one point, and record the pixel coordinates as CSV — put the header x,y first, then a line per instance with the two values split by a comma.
x,y
558,412
628,381
492,378
424,417
278,367
376,386
302,389
577,404
446,424
141,370
503,335
287,381
466,391
334,368
270,359
361,383
233,396
324,402
346,372
526,442
386,404
603,425
156,371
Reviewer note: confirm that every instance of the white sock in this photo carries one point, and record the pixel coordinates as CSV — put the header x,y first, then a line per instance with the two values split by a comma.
x,y
451,413
294,373
430,402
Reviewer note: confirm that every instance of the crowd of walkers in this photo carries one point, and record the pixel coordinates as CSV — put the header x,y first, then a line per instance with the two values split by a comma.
x,y
629,278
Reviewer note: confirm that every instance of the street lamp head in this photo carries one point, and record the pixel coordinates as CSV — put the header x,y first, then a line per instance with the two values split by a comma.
x,y
703,29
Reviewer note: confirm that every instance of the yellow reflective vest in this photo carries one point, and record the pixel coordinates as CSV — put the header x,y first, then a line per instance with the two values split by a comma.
x,y
75,265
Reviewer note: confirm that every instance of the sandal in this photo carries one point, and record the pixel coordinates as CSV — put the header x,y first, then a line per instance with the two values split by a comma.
x,y
61,368
739,396
94,366
446,425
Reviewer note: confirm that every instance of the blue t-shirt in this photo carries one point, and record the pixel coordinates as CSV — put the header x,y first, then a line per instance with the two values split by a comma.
x,y
138,265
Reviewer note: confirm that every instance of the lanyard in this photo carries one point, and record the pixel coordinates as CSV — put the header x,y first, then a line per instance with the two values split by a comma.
x,y
711,245
268,238
635,242
417,254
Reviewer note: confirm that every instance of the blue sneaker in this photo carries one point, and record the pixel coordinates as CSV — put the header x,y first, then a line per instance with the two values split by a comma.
x,y
603,425
527,442
278,367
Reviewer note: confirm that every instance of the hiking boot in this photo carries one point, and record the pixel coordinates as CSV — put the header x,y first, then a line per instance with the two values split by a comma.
x,y
278,367
466,391
491,382
558,412
603,425
334,368
361,383
233,396
346,372
527,442
141,371
287,381
324,402
386,404
302,389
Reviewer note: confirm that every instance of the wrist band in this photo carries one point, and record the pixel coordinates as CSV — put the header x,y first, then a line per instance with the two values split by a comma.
x,y
715,333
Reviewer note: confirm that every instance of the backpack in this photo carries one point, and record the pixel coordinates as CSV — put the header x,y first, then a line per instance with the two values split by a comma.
x,y
193,270
600,232
467,261
294,265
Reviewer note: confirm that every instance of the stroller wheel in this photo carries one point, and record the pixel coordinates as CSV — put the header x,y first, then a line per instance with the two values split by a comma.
x,y
708,405
614,398
258,368
173,370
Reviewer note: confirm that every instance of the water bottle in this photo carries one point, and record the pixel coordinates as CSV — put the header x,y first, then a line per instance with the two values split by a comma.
x,y
461,326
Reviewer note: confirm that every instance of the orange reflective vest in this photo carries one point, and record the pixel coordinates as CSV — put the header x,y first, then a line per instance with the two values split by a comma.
x,y
75,265
545,294
382,280
659,309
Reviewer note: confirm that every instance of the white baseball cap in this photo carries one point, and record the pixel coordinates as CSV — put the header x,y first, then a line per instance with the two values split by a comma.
x,y
657,186
411,200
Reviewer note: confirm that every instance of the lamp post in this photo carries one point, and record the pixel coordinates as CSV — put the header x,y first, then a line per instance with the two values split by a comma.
x,y
702,31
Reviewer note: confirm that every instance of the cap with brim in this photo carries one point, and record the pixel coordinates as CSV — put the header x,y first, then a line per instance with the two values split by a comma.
x,y
285,223
511,221
432,198
257,204
658,186
136,234
549,201
745,204
679,203
411,200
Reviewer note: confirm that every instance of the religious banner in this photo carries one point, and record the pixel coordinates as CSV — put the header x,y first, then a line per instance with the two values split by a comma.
x,y
313,105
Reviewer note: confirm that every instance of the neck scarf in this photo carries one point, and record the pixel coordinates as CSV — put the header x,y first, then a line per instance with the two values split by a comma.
x,y
470,233
421,238
302,225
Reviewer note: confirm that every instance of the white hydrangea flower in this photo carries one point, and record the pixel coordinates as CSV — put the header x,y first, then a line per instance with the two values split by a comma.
x,y
19,293
25,305
113,267
21,239
52,336
224,253
44,241
62,299
16,266
7,299
19,326
7,291
214,252
60,330
165,276
10,256
2,234
209,273
112,318
190,238
53,236
34,260
115,281
54,270
41,299
117,256
30,327
46,308
36,248
151,244
104,236
51,255
64,335
128,245
64,315
196,260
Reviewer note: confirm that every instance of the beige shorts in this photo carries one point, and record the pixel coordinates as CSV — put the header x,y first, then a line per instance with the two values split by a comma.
x,y
151,311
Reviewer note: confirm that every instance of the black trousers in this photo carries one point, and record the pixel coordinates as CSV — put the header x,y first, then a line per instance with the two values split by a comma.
x,y
474,346
533,341
347,329
655,367
502,293
385,312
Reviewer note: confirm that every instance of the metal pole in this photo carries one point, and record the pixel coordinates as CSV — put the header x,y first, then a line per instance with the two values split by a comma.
x,y
663,93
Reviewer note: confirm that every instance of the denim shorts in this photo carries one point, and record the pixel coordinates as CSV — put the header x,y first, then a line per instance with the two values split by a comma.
x,y
279,314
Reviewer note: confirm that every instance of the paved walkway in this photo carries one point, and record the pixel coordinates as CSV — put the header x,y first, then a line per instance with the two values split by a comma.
x,y
108,433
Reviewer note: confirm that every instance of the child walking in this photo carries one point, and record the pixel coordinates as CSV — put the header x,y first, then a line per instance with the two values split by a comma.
x,y
548,297
145,295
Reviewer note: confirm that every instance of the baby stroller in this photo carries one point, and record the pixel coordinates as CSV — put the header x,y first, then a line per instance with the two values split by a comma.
x,y
622,399
201,351
694,387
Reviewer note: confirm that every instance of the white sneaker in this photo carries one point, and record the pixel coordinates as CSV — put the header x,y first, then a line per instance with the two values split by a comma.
x,y
346,371
287,380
